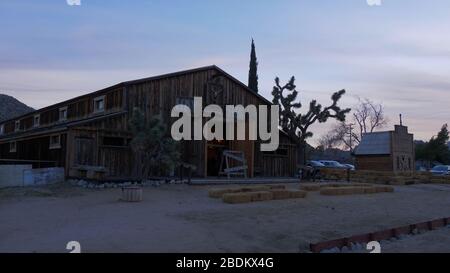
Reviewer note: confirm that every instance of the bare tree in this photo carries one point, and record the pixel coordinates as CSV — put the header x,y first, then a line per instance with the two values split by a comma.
x,y
366,118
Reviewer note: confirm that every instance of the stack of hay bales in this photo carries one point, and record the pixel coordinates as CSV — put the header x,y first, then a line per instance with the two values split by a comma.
x,y
439,180
374,177
382,177
334,174
255,194
350,190
319,186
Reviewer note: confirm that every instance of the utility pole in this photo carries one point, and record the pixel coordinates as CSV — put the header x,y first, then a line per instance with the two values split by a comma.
x,y
350,128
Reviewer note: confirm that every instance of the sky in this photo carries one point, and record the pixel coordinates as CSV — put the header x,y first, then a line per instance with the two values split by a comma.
x,y
396,53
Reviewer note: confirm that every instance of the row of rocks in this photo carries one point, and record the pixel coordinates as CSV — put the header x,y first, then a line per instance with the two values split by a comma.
x,y
110,185
359,247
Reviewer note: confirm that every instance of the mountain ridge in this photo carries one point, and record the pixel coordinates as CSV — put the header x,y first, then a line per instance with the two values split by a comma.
x,y
11,107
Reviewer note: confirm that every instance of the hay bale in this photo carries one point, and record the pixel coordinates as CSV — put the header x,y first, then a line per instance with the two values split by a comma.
x,y
261,196
237,198
369,190
310,187
297,194
280,194
343,190
254,188
218,193
277,187
331,191
381,189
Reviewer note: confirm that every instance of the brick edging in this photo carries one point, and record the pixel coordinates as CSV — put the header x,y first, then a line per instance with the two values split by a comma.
x,y
379,235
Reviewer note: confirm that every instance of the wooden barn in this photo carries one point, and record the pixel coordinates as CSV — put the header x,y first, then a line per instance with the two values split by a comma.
x,y
92,130
391,151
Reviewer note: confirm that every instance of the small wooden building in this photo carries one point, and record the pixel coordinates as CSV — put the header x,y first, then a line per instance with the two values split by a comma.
x,y
92,130
391,151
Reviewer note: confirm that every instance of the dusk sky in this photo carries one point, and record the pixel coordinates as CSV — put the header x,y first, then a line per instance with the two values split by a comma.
x,y
397,53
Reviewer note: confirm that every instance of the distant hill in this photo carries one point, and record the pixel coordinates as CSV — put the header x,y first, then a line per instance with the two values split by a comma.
x,y
11,107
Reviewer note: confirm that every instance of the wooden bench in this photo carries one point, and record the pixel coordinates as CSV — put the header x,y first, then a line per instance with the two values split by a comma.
x,y
90,172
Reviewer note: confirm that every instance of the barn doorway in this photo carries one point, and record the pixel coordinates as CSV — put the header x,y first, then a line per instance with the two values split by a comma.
x,y
214,155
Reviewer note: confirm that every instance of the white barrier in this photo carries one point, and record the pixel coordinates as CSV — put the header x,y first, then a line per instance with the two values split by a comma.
x,y
25,175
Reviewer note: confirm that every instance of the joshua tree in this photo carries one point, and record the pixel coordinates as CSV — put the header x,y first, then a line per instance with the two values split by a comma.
x,y
296,124
154,152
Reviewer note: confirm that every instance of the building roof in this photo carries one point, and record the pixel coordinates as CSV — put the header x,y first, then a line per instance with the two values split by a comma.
x,y
378,143
127,83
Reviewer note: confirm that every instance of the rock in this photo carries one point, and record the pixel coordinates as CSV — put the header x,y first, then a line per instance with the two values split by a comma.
x,y
82,183
333,250
356,246
345,249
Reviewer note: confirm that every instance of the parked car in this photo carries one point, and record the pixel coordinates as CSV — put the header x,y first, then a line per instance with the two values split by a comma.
x,y
333,164
349,166
314,164
441,170
421,169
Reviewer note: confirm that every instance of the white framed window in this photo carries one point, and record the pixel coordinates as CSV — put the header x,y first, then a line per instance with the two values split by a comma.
x,y
63,113
99,104
2,129
12,147
37,120
17,125
55,142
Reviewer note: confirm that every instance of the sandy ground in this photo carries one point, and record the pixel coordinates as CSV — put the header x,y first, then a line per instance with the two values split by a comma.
x,y
181,218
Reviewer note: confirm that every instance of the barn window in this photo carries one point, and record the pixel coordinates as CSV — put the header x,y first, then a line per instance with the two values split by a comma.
x,y
17,125
99,104
12,147
37,120
114,141
63,113
55,142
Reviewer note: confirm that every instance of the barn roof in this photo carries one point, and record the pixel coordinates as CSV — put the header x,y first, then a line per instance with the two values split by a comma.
x,y
158,77
378,143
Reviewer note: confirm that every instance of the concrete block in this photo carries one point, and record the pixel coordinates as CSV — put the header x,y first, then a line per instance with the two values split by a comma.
x,y
13,175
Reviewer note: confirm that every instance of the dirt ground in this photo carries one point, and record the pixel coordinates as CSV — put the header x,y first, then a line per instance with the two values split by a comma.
x,y
182,218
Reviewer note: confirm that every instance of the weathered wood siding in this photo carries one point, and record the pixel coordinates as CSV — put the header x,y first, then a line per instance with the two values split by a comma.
x,y
282,162
87,129
37,151
159,96
374,163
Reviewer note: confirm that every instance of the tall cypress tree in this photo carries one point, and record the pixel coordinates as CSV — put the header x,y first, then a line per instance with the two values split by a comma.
x,y
253,72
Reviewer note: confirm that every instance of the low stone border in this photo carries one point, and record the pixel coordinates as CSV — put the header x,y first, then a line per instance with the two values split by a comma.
x,y
356,242
112,185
